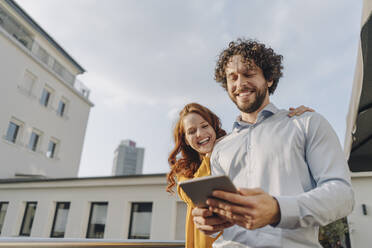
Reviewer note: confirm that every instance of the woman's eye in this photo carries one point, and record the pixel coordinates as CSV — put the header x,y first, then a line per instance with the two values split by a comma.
x,y
204,126
190,132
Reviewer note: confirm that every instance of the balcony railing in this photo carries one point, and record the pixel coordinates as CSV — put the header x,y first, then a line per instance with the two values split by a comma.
x,y
16,31
59,69
84,243
84,91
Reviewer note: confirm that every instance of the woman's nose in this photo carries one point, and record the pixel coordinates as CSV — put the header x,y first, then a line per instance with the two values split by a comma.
x,y
198,132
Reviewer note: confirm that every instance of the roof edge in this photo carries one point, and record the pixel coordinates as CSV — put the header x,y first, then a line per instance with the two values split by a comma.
x,y
33,180
39,29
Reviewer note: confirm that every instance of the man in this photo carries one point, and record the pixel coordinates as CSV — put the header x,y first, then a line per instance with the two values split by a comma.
x,y
291,172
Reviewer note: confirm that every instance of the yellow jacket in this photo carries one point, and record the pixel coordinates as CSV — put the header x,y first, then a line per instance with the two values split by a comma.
x,y
194,237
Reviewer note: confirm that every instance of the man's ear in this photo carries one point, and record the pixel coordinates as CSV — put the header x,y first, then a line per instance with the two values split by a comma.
x,y
270,83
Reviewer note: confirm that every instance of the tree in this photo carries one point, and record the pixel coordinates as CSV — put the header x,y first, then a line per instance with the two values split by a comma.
x,y
333,234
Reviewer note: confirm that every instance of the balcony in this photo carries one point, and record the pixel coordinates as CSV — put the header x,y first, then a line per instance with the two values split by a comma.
x,y
16,32
81,88
59,69
84,243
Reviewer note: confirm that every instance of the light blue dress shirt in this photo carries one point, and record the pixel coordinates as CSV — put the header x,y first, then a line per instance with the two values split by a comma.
x,y
297,160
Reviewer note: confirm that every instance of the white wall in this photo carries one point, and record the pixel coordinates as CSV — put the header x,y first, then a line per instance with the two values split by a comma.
x,y
361,225
69,130
118,192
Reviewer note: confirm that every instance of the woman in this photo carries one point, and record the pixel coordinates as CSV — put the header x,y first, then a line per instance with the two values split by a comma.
x,y
195,134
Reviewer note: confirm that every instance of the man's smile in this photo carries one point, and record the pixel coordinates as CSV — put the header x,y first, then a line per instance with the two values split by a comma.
x,y
244,94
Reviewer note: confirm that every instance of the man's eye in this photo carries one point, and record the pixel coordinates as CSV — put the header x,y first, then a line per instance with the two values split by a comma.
x,y
205,126
232,77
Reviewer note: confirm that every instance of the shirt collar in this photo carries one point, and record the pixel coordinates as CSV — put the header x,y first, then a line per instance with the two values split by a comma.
x,y
269,110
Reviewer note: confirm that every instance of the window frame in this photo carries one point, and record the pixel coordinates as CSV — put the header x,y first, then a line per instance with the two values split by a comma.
x,y
34,141
35,147
52,231
56,148
45,102
6,210
28,83
21,233
14,135
61,112
90,219
130,236
18,137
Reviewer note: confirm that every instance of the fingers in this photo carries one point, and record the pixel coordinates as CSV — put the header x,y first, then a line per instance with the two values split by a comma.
x,y
249,208
248,192
210,221
227,209
211,224
239,198
227,214
208,230
245,221
247,225
203,212
299,110
227,196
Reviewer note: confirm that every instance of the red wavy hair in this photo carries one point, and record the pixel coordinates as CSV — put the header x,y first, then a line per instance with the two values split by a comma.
x,y
184,160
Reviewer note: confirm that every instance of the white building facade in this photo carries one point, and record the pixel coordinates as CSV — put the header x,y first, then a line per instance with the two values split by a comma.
x,y
128,159
45,109
358,138
124,207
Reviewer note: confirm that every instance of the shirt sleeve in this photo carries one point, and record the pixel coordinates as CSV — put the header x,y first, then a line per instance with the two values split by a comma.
x,y
215,166
332,196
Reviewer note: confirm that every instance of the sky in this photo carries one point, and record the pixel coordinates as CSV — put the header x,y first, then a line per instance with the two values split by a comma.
x,y
145,59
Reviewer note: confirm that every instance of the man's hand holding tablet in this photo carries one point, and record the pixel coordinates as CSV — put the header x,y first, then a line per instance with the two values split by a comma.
x,y
199,190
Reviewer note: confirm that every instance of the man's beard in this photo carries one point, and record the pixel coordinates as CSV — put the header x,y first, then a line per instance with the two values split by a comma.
x,y
250,107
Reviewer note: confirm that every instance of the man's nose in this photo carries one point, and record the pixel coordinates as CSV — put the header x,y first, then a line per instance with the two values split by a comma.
x,y
240,81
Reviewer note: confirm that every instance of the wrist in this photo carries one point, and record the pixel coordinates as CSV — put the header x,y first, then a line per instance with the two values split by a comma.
x,y
276,215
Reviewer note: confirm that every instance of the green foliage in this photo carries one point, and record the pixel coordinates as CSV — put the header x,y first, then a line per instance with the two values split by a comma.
x,y
331,235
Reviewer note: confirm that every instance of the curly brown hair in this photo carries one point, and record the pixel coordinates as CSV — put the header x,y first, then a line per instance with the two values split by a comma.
x,y
251,50
183,159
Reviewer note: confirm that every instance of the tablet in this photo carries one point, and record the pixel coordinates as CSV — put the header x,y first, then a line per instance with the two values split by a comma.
x,y
199,189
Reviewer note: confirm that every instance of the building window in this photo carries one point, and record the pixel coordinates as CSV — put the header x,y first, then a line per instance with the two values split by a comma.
x,y
60,220
12,133
28,83
34,140
58,68
97,220
140,220
51,149
15,29
61,108
3,209
28,219
45,96
42,54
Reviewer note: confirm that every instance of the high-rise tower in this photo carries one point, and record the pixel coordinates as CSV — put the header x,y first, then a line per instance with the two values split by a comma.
x,y
128,158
